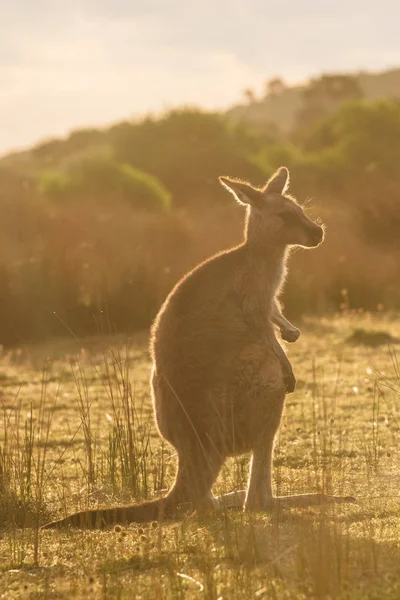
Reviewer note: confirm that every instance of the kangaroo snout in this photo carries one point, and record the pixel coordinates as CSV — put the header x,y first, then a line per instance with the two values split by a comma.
x,y
315,235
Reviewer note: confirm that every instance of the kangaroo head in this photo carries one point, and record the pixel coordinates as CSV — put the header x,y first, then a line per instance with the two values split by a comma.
x,y
273,217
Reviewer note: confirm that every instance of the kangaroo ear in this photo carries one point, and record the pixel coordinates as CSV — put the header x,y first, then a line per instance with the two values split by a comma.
x,y
279,182
244,192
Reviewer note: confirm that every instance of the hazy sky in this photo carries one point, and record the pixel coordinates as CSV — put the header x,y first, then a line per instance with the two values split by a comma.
x,y
71,63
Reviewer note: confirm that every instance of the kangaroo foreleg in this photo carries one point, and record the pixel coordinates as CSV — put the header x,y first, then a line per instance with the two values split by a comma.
x,y
287,371
289,332
262,330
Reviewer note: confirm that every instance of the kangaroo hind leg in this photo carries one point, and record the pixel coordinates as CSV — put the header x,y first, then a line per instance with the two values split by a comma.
x,y
198,469
259,493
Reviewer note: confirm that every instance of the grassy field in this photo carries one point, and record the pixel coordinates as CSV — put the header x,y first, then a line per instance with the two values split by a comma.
x,y
76,430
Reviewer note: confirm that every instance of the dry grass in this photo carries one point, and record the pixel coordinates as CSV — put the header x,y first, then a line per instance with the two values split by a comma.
x,y
77,430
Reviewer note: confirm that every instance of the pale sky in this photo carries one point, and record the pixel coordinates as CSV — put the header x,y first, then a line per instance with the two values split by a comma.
x,y
65,64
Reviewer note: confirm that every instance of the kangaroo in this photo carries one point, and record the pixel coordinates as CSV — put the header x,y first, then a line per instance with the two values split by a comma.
x,y
219,375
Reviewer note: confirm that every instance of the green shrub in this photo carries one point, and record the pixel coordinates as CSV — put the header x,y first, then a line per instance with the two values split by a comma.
x,y
98,176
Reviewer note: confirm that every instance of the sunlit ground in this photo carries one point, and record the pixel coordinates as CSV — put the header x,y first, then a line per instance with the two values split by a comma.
x,y
77,431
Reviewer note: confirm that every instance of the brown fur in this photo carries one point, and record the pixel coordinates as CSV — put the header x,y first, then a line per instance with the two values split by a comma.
x,y
219,376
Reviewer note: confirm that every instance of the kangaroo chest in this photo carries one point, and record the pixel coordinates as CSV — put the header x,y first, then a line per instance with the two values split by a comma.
x,y
263,283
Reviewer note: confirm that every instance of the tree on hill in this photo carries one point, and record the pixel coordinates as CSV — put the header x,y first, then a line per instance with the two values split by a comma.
x,y
274,87
324,95
249,96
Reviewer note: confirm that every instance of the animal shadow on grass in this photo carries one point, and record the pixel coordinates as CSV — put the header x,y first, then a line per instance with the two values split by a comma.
x,y
317,553
321,552
372,339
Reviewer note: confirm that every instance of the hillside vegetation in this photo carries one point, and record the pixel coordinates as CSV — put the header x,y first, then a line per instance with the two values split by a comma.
x,y
97,227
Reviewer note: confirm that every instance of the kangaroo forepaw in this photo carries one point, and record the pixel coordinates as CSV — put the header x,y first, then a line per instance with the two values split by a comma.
x,y
290,335
290,382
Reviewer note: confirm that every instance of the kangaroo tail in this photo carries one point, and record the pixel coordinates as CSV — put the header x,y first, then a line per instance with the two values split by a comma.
x,y
152,510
